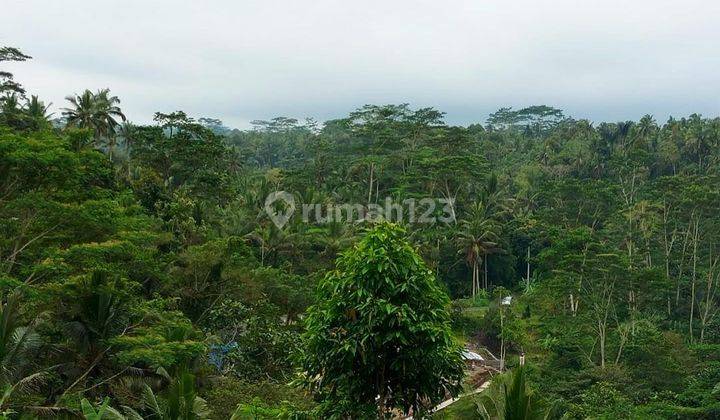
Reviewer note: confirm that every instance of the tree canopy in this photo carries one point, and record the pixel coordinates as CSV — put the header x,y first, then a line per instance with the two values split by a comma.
x,y
141,275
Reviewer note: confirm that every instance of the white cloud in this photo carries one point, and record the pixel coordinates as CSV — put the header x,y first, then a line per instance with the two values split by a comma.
x,y
244,60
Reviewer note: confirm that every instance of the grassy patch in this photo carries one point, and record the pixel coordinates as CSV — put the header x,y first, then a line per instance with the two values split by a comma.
x,y
467,316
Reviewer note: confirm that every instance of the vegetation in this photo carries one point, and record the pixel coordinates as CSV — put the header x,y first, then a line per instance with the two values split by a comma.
x,y
511,399
379,337
141,276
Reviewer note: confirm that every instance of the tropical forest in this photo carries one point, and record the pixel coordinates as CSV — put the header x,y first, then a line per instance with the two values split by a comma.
x,y
565,269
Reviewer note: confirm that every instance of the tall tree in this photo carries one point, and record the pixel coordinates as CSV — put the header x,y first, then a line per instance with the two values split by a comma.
x,y
7,84
477,237
97,111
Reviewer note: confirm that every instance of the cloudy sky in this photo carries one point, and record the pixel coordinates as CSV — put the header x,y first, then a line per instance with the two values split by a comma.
x,y
243,60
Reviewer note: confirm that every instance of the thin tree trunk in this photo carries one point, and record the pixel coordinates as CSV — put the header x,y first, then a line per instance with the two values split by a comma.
x,y
681,269
708,313
370,189
623,339
474,277
669,242
694,277
485,265
601,336
527,275
502,339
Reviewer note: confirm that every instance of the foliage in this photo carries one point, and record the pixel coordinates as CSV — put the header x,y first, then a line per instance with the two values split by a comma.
x,y
225,395
511,399
131,250
378,317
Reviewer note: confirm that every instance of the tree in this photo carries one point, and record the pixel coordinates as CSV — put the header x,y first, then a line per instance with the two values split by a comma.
x,y
18,347
379,338
82,113
510,398
536,119
11,112
179,402
108,112
478,239
97,111
37,110
7,84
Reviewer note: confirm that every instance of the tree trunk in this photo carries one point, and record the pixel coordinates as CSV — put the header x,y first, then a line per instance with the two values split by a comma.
x,y
707,313
694,277
502,339
474,277
485,266
370,189
681,268
527,275
601,336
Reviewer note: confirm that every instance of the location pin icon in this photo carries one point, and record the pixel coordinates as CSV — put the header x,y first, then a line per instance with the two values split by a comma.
x,y
280,218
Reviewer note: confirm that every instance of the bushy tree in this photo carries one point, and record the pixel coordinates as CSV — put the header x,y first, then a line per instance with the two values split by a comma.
x,y
379,339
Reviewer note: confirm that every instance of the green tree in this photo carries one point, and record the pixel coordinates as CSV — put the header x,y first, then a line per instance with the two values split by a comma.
x,y
97,111
379,338
478,239
18,347
510,398
178,402
7,84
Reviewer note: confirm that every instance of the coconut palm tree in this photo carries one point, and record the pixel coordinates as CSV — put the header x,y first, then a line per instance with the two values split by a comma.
x,y
273,242
645,132
37,109
11,111
477,238
128,132
82,113
97,111
108,111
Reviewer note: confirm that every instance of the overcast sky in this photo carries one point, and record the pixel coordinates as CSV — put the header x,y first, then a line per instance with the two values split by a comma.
x,y
243,60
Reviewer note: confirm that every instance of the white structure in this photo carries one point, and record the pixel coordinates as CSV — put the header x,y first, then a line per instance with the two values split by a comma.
x,y
471,356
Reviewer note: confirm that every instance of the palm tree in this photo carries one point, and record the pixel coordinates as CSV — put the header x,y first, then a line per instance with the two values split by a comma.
x,y
104,411
179,402
645,132
333,237
477,240
511,401
108,111
271,240
82,113
10,111
18,345
697,138
128,132
33,115
551,146
96,316
98,312
97,111
37,110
